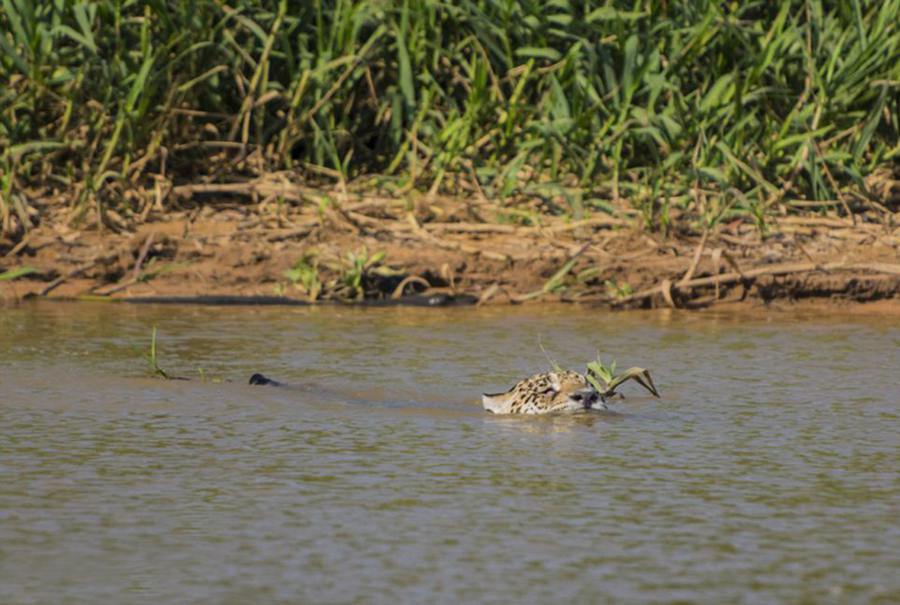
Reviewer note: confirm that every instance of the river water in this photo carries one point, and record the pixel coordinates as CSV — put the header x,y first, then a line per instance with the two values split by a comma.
x,y
767,472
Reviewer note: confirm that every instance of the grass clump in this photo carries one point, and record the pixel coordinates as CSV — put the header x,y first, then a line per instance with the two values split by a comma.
x,y
305,275
701,108
352,277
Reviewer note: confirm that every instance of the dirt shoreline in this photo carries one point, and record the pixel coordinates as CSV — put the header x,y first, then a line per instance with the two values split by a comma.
x,y
369,248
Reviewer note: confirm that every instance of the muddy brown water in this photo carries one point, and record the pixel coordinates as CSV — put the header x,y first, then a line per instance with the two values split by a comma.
x,y
768,472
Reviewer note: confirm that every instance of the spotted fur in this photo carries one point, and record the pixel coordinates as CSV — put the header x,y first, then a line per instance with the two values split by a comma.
x,y
564,391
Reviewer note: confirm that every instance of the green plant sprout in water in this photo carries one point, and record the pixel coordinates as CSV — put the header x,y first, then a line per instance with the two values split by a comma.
x,y
605,380
152,360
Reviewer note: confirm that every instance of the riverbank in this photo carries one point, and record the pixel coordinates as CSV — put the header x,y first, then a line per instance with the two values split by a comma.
x,y
268,239
680,155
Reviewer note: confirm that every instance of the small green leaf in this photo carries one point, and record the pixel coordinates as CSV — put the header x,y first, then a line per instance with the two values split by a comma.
x,y
608,13
138,85
531,52
16,273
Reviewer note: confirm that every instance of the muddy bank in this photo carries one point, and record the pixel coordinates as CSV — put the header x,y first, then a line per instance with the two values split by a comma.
x,y
357,248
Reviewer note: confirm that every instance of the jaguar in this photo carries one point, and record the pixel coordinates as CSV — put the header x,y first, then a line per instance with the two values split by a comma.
x,y
558,391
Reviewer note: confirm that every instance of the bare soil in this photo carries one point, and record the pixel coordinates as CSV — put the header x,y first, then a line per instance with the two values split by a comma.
x,y
228,243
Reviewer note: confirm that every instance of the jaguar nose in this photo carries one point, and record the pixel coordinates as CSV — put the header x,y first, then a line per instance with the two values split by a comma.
x,y
585,398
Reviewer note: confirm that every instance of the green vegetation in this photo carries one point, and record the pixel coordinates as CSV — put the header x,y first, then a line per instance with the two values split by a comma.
x,y
155,370
706,109
617,291
305,275
16,273
356,275
605,379
357,268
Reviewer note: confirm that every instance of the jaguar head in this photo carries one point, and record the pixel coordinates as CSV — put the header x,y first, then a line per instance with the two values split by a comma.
x,y
563,391
571,392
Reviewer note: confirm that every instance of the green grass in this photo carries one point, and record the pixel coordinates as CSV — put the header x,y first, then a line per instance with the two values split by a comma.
x,y
305,275
703,109
353,277
152,361
11,274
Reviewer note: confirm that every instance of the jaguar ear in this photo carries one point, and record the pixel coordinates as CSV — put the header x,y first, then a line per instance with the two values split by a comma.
x,y
497,403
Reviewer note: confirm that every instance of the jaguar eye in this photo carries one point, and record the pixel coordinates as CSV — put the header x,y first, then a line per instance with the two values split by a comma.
x,y
576,397
549,391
